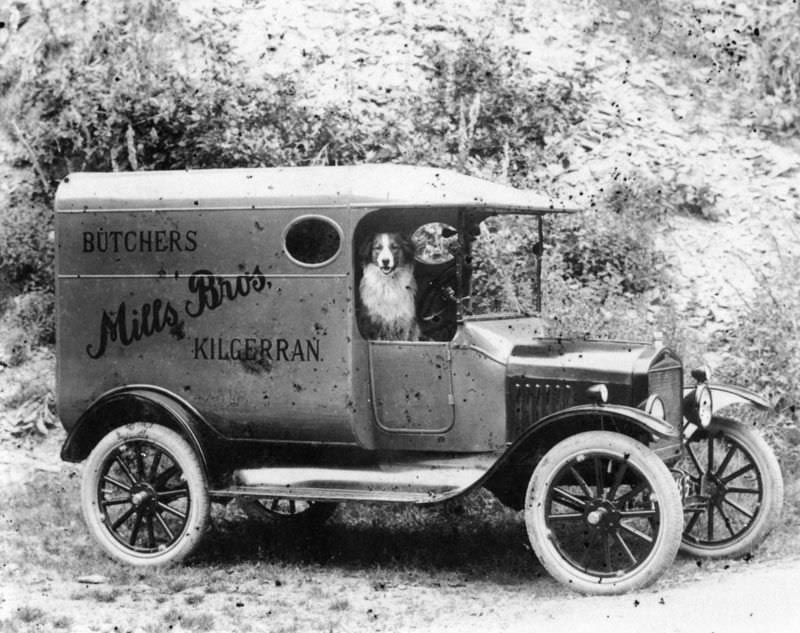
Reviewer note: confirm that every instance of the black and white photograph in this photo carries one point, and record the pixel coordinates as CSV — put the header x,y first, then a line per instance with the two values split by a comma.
x,y
399,316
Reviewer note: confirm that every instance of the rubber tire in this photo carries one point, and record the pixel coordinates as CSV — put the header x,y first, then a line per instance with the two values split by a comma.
x,y
193,473
663,487
317,513
770,510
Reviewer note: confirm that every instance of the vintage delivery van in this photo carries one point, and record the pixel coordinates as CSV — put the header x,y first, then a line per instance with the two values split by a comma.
x,y
212,346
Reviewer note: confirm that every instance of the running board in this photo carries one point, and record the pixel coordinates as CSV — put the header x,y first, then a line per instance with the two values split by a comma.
x,y
421,482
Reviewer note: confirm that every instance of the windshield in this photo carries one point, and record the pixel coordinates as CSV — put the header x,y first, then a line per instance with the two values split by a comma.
x,y
504,262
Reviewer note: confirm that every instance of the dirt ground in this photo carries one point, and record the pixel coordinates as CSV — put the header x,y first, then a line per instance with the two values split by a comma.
x,y
756,598
264,593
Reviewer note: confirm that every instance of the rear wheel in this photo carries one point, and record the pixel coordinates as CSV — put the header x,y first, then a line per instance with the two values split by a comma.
x,y
289,511
144,495
603,513
735,490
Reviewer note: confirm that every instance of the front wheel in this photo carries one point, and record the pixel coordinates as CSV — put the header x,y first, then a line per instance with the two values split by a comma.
x,y
735,490
144,495
603,513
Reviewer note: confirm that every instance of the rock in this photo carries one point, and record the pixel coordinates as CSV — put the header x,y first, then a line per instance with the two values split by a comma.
x,y
93,579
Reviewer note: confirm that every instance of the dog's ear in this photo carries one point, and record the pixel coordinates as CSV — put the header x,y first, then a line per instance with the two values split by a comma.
x,y
408,247
365,250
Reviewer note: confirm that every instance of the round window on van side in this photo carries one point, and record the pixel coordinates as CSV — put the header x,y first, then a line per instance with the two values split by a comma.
x,y
312,240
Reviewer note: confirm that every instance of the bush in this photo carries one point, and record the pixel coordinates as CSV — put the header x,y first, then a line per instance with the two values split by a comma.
x,y
764,355
34,312
613,241
123,99
603,253
504,266
776,67
486,110
28,324
26,240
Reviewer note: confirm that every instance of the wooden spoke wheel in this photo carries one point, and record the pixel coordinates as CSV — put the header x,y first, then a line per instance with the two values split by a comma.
x,y
603,513
144,495
735,490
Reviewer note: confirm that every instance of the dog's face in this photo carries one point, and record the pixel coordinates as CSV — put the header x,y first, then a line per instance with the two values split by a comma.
x,y
388,251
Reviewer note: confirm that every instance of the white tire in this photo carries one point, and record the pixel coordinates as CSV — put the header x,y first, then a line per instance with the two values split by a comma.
x,y
603,513
144,495
736,490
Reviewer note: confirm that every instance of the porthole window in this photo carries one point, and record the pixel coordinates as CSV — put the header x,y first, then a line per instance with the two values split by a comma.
x,y
312,240
435,242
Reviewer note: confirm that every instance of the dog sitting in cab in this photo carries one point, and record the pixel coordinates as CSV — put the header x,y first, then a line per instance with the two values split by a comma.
x,y
387,292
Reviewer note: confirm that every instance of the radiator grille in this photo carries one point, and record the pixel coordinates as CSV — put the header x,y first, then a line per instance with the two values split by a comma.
x,y
665,378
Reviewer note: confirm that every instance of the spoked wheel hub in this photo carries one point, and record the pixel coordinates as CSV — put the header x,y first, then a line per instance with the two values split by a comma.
x,y
603,513
732,490
602,516
143,496
714,488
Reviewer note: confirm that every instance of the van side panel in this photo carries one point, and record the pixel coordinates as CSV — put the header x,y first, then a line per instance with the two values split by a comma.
x,y
207,305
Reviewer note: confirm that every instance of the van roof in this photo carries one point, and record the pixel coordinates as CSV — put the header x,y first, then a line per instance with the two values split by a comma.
x,y
360,186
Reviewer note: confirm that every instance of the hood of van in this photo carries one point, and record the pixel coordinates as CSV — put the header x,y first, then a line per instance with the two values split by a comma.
x,y
519,344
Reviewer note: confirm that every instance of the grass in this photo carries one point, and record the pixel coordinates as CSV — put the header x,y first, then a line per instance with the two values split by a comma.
x,y
104,595
246,574
62,622
28,614
468,539
188,621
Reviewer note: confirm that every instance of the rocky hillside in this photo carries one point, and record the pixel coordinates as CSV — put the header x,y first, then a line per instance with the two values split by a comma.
x,y
673,121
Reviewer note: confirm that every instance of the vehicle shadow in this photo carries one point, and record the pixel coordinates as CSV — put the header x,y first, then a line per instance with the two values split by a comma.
x,y
476,538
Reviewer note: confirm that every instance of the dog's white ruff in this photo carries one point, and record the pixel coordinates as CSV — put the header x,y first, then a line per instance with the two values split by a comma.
x,y
389,302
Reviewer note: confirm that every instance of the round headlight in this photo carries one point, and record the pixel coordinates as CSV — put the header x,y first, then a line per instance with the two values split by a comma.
x,y
655,407
702,398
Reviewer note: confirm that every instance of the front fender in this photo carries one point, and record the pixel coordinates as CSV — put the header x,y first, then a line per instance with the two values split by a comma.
x,y
136,403
725,395
616,412
509,476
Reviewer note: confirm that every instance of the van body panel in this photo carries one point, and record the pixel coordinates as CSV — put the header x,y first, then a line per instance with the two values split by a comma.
x,y
207,305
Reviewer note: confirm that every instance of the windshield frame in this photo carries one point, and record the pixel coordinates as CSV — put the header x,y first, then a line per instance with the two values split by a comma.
x,y
468,229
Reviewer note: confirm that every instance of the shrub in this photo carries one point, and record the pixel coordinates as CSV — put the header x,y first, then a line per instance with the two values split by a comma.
x,y
776,67
29,323
503,261
765,356
486,110
124,99
34,313
606,254
613,241
26,240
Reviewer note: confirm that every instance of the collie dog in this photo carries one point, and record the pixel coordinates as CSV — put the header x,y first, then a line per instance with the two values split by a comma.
x,y
387,291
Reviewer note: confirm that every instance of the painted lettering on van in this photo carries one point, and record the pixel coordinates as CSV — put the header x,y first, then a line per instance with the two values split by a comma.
x,y
210,291
161,241
150,319
256,349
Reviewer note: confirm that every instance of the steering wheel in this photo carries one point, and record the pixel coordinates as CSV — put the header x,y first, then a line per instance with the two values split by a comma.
x,y
437,309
